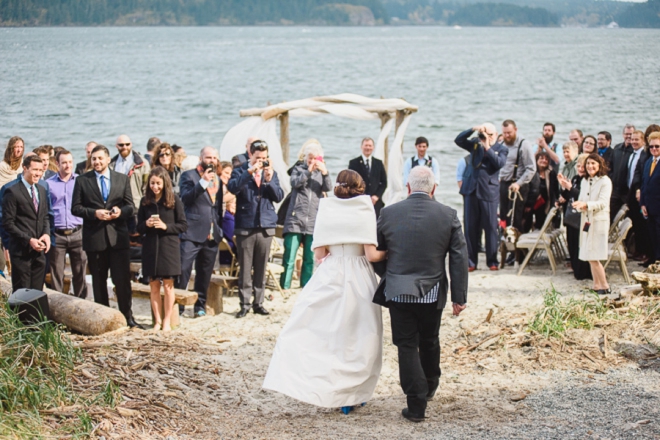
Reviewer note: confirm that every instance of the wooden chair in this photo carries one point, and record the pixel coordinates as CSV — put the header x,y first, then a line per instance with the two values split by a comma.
x,y
617,251
230,269
538,241
616,223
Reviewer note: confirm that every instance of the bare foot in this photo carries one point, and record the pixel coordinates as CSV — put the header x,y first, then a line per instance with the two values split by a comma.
x,y
167,328
157,326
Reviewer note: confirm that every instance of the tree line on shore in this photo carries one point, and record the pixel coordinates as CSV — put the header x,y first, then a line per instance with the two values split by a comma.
x,y
328,12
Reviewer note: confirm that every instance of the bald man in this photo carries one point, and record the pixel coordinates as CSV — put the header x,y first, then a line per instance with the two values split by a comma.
x,y
131,164
240,159
201,194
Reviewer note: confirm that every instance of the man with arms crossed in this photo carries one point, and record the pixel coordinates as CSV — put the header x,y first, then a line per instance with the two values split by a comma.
x,y
414,286
68,229
103,199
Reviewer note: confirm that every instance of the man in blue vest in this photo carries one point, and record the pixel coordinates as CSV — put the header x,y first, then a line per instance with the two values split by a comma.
x,y
481,190
421,159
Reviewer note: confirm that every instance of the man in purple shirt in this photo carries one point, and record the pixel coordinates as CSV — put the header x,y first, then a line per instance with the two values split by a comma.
x,y
68,228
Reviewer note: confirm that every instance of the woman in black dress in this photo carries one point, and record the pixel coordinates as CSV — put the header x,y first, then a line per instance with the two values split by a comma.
x,y
570,193
160,220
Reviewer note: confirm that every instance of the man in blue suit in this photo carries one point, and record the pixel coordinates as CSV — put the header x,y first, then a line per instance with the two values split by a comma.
x,y
201,194
481,190
650,195
256,187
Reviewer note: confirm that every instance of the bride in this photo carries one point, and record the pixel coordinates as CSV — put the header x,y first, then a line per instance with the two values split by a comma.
x,y
329,353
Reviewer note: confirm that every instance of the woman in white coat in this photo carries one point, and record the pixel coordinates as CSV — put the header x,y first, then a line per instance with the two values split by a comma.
x,y
594,204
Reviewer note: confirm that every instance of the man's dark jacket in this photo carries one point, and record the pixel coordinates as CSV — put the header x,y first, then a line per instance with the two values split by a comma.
x,y
485,170
418,234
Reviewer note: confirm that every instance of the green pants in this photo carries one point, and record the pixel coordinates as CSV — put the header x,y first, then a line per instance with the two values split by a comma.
x,y
291,244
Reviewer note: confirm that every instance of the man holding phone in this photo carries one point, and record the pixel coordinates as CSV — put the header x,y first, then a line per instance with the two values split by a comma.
x,y
103,199
201,195
25,219
256,187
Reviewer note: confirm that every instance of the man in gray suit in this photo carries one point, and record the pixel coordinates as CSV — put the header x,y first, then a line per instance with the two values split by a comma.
x,y
414,285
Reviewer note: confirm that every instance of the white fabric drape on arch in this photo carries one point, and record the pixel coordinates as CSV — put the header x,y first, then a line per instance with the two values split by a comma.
x,y
345,105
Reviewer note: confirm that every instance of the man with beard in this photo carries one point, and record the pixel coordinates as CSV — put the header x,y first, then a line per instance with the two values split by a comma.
x,y
603,142
546,143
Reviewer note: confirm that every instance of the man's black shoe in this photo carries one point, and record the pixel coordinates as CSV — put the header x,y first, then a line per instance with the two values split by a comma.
x,y
432,390
242,313
260,310
132,324
410,416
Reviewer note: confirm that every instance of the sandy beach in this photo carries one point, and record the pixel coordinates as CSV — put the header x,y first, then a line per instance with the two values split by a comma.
x,y
204,379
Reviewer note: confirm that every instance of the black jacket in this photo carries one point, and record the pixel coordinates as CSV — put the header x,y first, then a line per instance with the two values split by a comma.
x,y
417,249
620,156
20,220
375,180
99,235
161,248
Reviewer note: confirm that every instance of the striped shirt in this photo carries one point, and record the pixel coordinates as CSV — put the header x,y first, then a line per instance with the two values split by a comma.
x,y
430,297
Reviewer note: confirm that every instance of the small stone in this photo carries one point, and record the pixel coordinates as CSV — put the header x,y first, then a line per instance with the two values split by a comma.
x,y
518,397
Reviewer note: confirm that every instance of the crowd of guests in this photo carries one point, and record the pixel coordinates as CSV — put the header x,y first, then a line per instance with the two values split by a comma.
x,y
166,209
173,211
508,181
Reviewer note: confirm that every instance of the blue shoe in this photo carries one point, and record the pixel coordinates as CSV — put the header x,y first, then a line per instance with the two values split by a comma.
x,y
363,403
346,409
200,313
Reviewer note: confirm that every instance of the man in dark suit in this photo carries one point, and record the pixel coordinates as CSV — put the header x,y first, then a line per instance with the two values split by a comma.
x,y
620,172
82,166
256,187
103,199
634,170
26,222
650,195
201,194
414,286
372,172
482,191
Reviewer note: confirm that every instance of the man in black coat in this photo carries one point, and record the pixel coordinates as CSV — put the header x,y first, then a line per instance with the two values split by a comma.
x,y
103,199
620,162
481,189
372,172
26,221
201,194
415,283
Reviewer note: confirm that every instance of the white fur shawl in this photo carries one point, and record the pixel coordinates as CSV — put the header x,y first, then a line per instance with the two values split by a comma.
x,y
345,221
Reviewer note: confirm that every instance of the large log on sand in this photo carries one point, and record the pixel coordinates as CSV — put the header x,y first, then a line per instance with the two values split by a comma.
x,y
79,315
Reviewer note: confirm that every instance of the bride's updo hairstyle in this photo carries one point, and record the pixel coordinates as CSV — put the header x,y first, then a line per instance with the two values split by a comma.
x,y
349,184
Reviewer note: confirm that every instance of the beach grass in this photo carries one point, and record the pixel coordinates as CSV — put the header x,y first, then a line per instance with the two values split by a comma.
x,y
558,315
36,367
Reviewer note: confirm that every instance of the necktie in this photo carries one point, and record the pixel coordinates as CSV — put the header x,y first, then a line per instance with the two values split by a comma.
x,y
653,166
631,172
368,167
257,178
104,189
34,198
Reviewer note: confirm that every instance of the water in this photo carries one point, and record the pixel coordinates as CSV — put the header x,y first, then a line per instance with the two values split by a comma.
x,y
66,86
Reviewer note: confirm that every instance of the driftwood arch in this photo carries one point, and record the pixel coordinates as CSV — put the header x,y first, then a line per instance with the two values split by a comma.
x,y
261,122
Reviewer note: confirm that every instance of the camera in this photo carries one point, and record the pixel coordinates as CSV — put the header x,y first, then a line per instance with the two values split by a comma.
x,y
265,163
482,135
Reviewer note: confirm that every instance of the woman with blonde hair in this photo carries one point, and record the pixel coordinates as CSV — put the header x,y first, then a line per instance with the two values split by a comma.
x,y
309,180
10,166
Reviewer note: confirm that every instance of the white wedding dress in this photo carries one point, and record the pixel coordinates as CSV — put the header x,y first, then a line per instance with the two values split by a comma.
x,y
329,353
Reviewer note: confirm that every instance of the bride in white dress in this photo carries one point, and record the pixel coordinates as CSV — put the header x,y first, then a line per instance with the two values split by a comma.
x,y
329,353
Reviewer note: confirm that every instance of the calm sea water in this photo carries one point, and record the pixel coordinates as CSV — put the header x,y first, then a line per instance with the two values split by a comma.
x,y
66,86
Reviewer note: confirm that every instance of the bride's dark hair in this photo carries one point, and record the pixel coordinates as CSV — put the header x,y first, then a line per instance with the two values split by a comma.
x,y
349,184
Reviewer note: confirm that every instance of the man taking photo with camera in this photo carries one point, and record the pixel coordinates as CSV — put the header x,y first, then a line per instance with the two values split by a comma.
x,y
256,187
201,194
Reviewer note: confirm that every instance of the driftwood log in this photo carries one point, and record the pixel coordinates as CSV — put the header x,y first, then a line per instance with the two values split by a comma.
x,y
79,315
650,282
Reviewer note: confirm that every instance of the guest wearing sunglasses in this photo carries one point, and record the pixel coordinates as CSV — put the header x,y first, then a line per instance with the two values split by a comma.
x,y
650,196
163,156
131,164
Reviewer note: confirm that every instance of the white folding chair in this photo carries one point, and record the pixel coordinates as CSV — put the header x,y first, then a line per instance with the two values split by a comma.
x,y
538,241
617,251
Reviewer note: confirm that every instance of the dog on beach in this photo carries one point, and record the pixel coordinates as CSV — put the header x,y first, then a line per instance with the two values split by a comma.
x,y
508,242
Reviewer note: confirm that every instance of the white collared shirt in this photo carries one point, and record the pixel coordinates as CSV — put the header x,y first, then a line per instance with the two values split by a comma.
x,y
105,174
124,165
